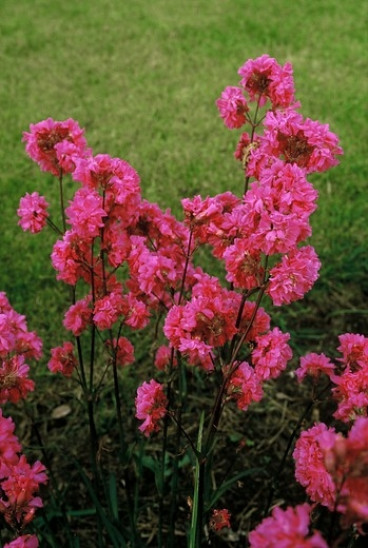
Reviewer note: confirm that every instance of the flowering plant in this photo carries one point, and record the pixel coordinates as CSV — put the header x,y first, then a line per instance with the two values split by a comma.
x,y
131,265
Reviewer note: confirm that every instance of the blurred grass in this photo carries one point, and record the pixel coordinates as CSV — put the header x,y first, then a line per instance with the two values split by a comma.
x,y
142,78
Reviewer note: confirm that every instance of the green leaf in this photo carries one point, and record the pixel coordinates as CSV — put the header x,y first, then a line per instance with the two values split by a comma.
x,y
229,483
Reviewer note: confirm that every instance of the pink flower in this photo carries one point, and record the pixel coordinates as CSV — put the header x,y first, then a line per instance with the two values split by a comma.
x,y
264,78
19,485
14,381
243,266
25,541
70,258
220,519
79,316
63,359
354,348
85,213
244,386
314,364
163,357
232,106
124,351
293,276
43,137
33,212
108,309
310,468
271,354
351,394
304,142
150,403
9,444
287,529
346,460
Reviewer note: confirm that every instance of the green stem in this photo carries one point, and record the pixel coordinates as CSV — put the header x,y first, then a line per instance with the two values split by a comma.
x,y
197,508
62,206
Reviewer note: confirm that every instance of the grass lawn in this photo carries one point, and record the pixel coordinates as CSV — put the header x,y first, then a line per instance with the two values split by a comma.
x,y
142,78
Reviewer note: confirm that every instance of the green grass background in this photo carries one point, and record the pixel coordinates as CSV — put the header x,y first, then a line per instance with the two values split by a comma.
x,y
142,77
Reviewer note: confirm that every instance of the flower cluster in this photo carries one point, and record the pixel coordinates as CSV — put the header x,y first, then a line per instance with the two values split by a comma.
x,y
17,345
350,377
334,469
287,528
33,212
19,481
151,403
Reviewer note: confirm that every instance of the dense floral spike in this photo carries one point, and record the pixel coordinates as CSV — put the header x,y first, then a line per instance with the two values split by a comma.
x,y
151,403
288,528
33,212
233,107
44,138
264,78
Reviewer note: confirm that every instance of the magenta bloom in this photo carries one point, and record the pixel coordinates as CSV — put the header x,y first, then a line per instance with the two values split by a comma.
x,y
25,541
294,276
79,316
19,486
14,381
232,106
85,213
264,78
43,138
271,354
33,212
314,364
351,390
286,529
244,386
310,468
150,403
63,359
9,444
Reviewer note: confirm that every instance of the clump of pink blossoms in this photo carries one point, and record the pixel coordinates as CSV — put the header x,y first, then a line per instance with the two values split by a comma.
x,y
33,212
334,469
151,403
49,143
288,528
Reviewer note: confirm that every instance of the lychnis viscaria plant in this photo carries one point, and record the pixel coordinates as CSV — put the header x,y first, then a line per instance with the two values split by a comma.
x,y
131,266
